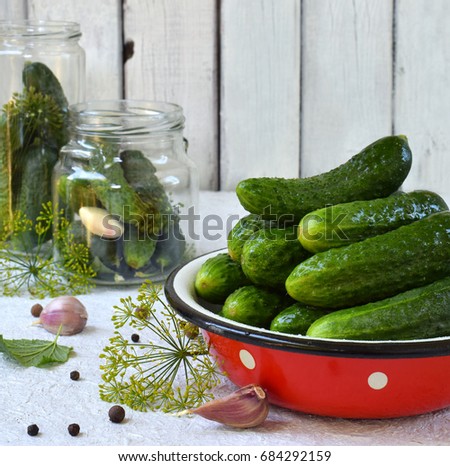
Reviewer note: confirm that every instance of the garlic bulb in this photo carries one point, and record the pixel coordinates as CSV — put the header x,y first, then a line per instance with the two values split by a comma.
x,y
65,314
246,407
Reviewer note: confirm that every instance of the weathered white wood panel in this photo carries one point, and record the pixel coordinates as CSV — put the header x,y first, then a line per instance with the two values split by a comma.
x,y
175,60
260,89
13,9
347,79
422,90
101,27
269,86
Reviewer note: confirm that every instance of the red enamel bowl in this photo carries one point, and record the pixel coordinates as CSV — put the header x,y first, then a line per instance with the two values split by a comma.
x,y
339,378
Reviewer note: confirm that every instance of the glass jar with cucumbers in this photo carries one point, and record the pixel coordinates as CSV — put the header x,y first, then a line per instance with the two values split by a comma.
x,y
43,72
126,188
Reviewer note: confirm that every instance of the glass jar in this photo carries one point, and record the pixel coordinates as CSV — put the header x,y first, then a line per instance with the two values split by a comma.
x,y
42,72
127,189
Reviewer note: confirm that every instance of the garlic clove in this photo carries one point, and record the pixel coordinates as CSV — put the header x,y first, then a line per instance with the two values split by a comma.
x,y
244,408
65,315
100,222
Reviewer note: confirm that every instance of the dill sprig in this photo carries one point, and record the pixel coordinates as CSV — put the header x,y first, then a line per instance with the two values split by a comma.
x,y
32,267
33,117
171,371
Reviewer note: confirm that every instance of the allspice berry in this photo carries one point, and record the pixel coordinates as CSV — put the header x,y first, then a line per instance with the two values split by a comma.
x,y
74,429
116,414
74,375
33,430
36,310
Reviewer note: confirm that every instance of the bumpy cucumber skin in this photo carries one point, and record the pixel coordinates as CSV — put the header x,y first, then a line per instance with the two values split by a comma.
x,y
170,247
377,171
240,233
218,277
270,255
75,192
376,268
120,199
140,173
253,305
342,224
42,79
414,314
296,319
35,188
138,248
108,252
5,179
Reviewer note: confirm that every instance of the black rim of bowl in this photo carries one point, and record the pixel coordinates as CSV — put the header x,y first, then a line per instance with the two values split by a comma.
x,y
293,343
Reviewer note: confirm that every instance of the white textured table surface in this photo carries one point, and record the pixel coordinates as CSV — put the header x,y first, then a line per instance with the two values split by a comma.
x,y
50,399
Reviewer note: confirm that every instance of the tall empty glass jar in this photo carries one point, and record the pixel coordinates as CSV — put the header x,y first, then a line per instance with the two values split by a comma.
x,y
42,70
127,188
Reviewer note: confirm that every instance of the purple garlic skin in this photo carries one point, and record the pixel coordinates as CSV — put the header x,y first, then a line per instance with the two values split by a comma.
x,y
65,315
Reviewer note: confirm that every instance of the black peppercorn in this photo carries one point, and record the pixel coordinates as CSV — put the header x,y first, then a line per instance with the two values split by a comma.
x,y
74,375
74,429
135,337
33,430
36,310
116,414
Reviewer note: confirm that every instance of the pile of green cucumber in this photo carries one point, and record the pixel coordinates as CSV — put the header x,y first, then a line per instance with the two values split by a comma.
x,y
344,255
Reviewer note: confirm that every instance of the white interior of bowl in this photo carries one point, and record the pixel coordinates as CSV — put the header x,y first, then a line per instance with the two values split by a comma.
x,y
183,284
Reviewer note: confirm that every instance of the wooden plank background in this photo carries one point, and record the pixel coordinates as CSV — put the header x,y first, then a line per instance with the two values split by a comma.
x,y
275,87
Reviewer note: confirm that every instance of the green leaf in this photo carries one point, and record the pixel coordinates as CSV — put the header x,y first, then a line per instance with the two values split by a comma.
x,y
38,353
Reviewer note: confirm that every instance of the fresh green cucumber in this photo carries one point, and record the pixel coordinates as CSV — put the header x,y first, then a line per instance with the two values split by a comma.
x,y
164,221
342,224
138,247
125,255
411,256
75,191
253,305
414,314
40,77
377,171
218,277
140,173
5,180
117,196
35,188
108,252
296,319
170,246
240,233
270,255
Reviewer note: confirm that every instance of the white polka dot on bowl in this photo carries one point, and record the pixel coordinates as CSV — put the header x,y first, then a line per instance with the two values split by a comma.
x,y
247,359
377,380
